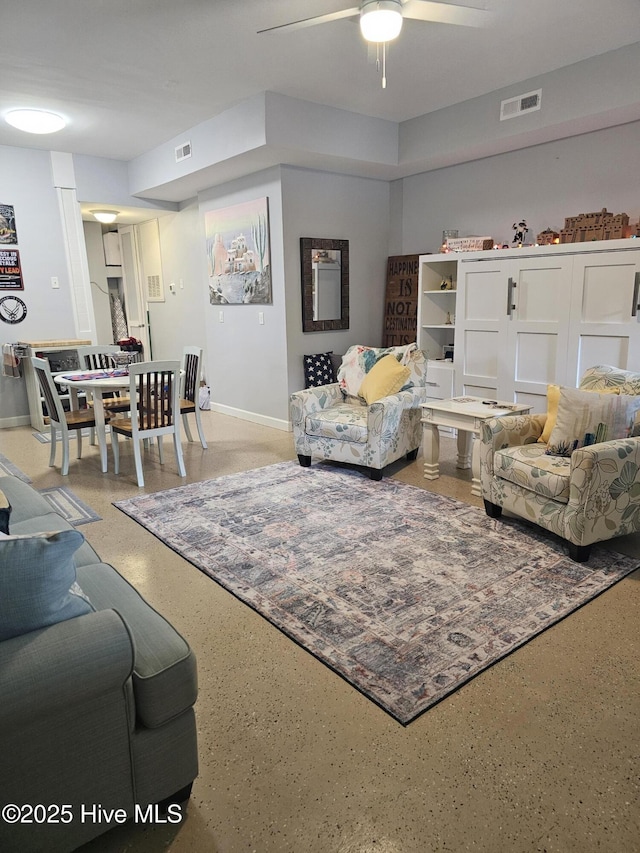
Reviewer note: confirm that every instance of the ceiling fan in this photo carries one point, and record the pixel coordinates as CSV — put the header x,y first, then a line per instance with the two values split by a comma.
x,y
381,20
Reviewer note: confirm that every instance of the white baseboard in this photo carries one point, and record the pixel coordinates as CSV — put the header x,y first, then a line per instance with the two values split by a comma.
x,y
254,417
20,420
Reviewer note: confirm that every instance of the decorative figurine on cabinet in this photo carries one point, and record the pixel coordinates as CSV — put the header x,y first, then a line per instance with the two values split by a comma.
x,y
520,229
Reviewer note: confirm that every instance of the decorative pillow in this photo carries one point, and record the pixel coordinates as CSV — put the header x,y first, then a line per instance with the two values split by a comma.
x,y
553,396
387,376
358,361
588,417
5,512
318,369
38,582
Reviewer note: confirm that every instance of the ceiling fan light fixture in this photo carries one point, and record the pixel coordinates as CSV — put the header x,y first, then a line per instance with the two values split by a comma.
x,y
35,121
105,216
381,20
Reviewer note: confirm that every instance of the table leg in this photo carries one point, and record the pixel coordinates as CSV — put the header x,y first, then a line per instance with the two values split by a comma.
x,y
98,412
476,486
465,439
431,451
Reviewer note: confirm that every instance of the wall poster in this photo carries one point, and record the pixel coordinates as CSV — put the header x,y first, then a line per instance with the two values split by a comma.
x,y
401,301
10,270
8,233
238,254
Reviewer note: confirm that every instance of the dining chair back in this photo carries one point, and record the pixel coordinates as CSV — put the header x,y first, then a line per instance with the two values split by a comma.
x,y
96,357
154,389
59,419
190,389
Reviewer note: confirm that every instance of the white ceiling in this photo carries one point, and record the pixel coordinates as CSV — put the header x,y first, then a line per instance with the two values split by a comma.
x,y
131,74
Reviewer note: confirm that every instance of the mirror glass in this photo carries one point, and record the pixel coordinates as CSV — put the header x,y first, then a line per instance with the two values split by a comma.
x,y
325,284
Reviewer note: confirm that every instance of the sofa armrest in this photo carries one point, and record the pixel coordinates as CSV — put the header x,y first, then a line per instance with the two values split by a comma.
x,y
314,399
508,431
388,409
63,666
604,496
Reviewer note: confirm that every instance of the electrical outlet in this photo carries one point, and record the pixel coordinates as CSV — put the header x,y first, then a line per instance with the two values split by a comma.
x,y
221,316
54,282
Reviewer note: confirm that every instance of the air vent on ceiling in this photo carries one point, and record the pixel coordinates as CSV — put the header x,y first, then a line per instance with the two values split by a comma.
x,y
183,151
528,103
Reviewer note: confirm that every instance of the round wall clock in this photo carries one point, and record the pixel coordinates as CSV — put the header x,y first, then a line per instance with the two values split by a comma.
x,y
12,309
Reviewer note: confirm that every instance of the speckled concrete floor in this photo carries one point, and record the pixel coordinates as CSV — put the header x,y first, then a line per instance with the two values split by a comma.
x,y
539,753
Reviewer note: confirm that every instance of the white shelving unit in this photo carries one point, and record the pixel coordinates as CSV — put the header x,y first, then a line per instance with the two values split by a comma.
x,y
437,295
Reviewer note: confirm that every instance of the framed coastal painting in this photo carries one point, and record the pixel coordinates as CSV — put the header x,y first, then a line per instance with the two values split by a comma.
x,y
238,254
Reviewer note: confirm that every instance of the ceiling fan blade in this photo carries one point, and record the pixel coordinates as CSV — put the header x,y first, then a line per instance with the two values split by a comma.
x,y
445,13
318,19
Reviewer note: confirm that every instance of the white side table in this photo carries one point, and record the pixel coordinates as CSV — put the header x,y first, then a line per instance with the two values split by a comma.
x,y
465,414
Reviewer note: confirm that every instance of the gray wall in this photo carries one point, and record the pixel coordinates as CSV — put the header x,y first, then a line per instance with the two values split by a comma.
x,y
320,204
543,184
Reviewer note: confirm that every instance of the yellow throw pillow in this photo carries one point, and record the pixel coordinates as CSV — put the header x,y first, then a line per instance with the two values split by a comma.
x,y
387,376
553,396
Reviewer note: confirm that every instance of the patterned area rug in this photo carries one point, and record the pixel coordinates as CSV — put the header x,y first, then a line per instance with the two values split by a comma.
x,y
405,594
7,468
69,505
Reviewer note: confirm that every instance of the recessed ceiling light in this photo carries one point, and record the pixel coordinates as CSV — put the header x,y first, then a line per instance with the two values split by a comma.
x,y
105,216
35,121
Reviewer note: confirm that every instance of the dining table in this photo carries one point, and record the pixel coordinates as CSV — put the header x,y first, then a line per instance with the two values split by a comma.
x,y
95,383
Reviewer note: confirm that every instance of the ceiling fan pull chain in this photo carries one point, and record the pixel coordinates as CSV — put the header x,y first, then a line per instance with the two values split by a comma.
x,y
384,65
377,57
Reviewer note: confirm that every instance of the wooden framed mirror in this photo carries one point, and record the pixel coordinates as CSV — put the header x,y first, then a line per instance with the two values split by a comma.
x,y
325,284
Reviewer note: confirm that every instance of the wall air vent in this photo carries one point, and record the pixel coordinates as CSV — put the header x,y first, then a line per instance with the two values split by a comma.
x,y
183,151
528,103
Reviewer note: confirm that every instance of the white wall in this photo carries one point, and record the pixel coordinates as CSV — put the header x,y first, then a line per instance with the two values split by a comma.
x,y
246,360
26,183
179,321
543,185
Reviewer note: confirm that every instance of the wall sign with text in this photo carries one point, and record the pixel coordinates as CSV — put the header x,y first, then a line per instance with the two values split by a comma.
x,y
10,270
401,301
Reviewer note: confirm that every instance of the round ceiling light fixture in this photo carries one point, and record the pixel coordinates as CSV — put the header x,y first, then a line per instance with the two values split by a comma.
x,y
381,20
105,216
35,121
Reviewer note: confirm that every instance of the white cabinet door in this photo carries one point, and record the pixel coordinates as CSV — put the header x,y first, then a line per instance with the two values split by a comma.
x,y
481,327
537,341
604,326
513,327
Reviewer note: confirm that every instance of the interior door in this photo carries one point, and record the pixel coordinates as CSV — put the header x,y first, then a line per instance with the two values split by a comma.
x,y
135,300
604,312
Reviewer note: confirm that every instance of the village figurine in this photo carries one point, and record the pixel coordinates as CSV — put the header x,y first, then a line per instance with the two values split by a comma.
x,y
520,229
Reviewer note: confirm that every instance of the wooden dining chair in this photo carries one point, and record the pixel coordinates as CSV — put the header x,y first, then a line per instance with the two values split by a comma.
x,y
190,389
59,419
96,357
154,388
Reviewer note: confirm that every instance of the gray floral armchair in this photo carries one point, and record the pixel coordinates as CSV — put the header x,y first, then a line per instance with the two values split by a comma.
x,y
590,496
332,422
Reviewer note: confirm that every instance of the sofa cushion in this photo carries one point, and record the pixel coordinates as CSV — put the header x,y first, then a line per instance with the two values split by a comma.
x,y
387,376
358,361
604,376
31,513
318,369
344,423
38,582
530,467
588,417
164,676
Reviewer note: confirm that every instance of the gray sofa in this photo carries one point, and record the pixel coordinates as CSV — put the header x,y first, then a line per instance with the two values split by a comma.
x,y
96,710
